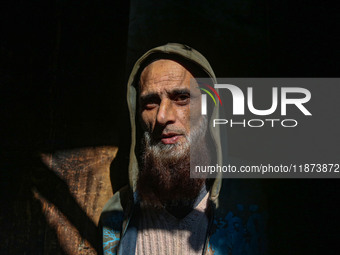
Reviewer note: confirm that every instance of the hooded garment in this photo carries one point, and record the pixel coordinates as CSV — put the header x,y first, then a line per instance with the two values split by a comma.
x,y
236,208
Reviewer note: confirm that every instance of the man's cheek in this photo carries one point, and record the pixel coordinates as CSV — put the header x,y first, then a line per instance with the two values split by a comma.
x,y
144,125
147,122
185,115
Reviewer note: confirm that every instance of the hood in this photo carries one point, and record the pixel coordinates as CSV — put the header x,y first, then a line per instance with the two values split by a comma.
x,y
189,54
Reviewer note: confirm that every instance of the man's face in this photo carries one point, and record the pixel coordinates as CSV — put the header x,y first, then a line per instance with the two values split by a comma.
x,y
165,102
166,105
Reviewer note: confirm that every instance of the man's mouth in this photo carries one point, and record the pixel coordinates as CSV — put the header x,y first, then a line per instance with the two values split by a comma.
x,y
170,138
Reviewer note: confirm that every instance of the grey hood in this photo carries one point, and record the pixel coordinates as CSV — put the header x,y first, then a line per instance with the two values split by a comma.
x,y
191,55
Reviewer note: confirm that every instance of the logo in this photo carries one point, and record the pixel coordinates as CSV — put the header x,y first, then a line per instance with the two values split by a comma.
x,y
204,97
281,97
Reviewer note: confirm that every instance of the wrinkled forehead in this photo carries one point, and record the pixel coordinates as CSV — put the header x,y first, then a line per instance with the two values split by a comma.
x,y
180,67
165,72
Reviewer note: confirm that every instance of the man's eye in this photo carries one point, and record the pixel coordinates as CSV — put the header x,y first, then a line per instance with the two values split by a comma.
x,y
150,105
182,99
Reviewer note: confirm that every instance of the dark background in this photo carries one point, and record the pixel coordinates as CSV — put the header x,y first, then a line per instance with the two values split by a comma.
x,y
64,67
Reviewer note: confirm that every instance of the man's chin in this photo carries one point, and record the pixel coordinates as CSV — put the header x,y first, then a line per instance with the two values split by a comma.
x,y
170,152
165,176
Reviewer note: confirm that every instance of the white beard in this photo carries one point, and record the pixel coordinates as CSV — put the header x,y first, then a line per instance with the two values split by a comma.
x,y
177,150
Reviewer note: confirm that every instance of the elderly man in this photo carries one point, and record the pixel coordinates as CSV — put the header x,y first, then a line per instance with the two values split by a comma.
x,y
163,210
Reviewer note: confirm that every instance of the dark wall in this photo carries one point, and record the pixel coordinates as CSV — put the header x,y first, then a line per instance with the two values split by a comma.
x,y
64,66
62,96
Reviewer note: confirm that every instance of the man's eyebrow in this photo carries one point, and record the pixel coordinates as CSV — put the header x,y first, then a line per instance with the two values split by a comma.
x,y
176,92
148,97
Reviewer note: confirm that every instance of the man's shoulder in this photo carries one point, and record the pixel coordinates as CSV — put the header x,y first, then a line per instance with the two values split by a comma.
x,y
237,193
240,219
118,203
112,219
247,191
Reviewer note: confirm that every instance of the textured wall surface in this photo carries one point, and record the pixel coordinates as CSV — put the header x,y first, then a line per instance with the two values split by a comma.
x,y
86,173
63,94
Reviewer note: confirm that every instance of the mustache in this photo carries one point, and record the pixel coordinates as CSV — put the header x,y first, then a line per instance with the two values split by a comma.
x,y
196,132
157,134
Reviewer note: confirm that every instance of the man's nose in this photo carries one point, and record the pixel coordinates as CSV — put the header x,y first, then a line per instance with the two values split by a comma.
x,y
165,114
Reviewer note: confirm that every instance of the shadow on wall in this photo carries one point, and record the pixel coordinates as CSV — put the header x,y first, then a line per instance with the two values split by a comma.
x,y
62,86
50,212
